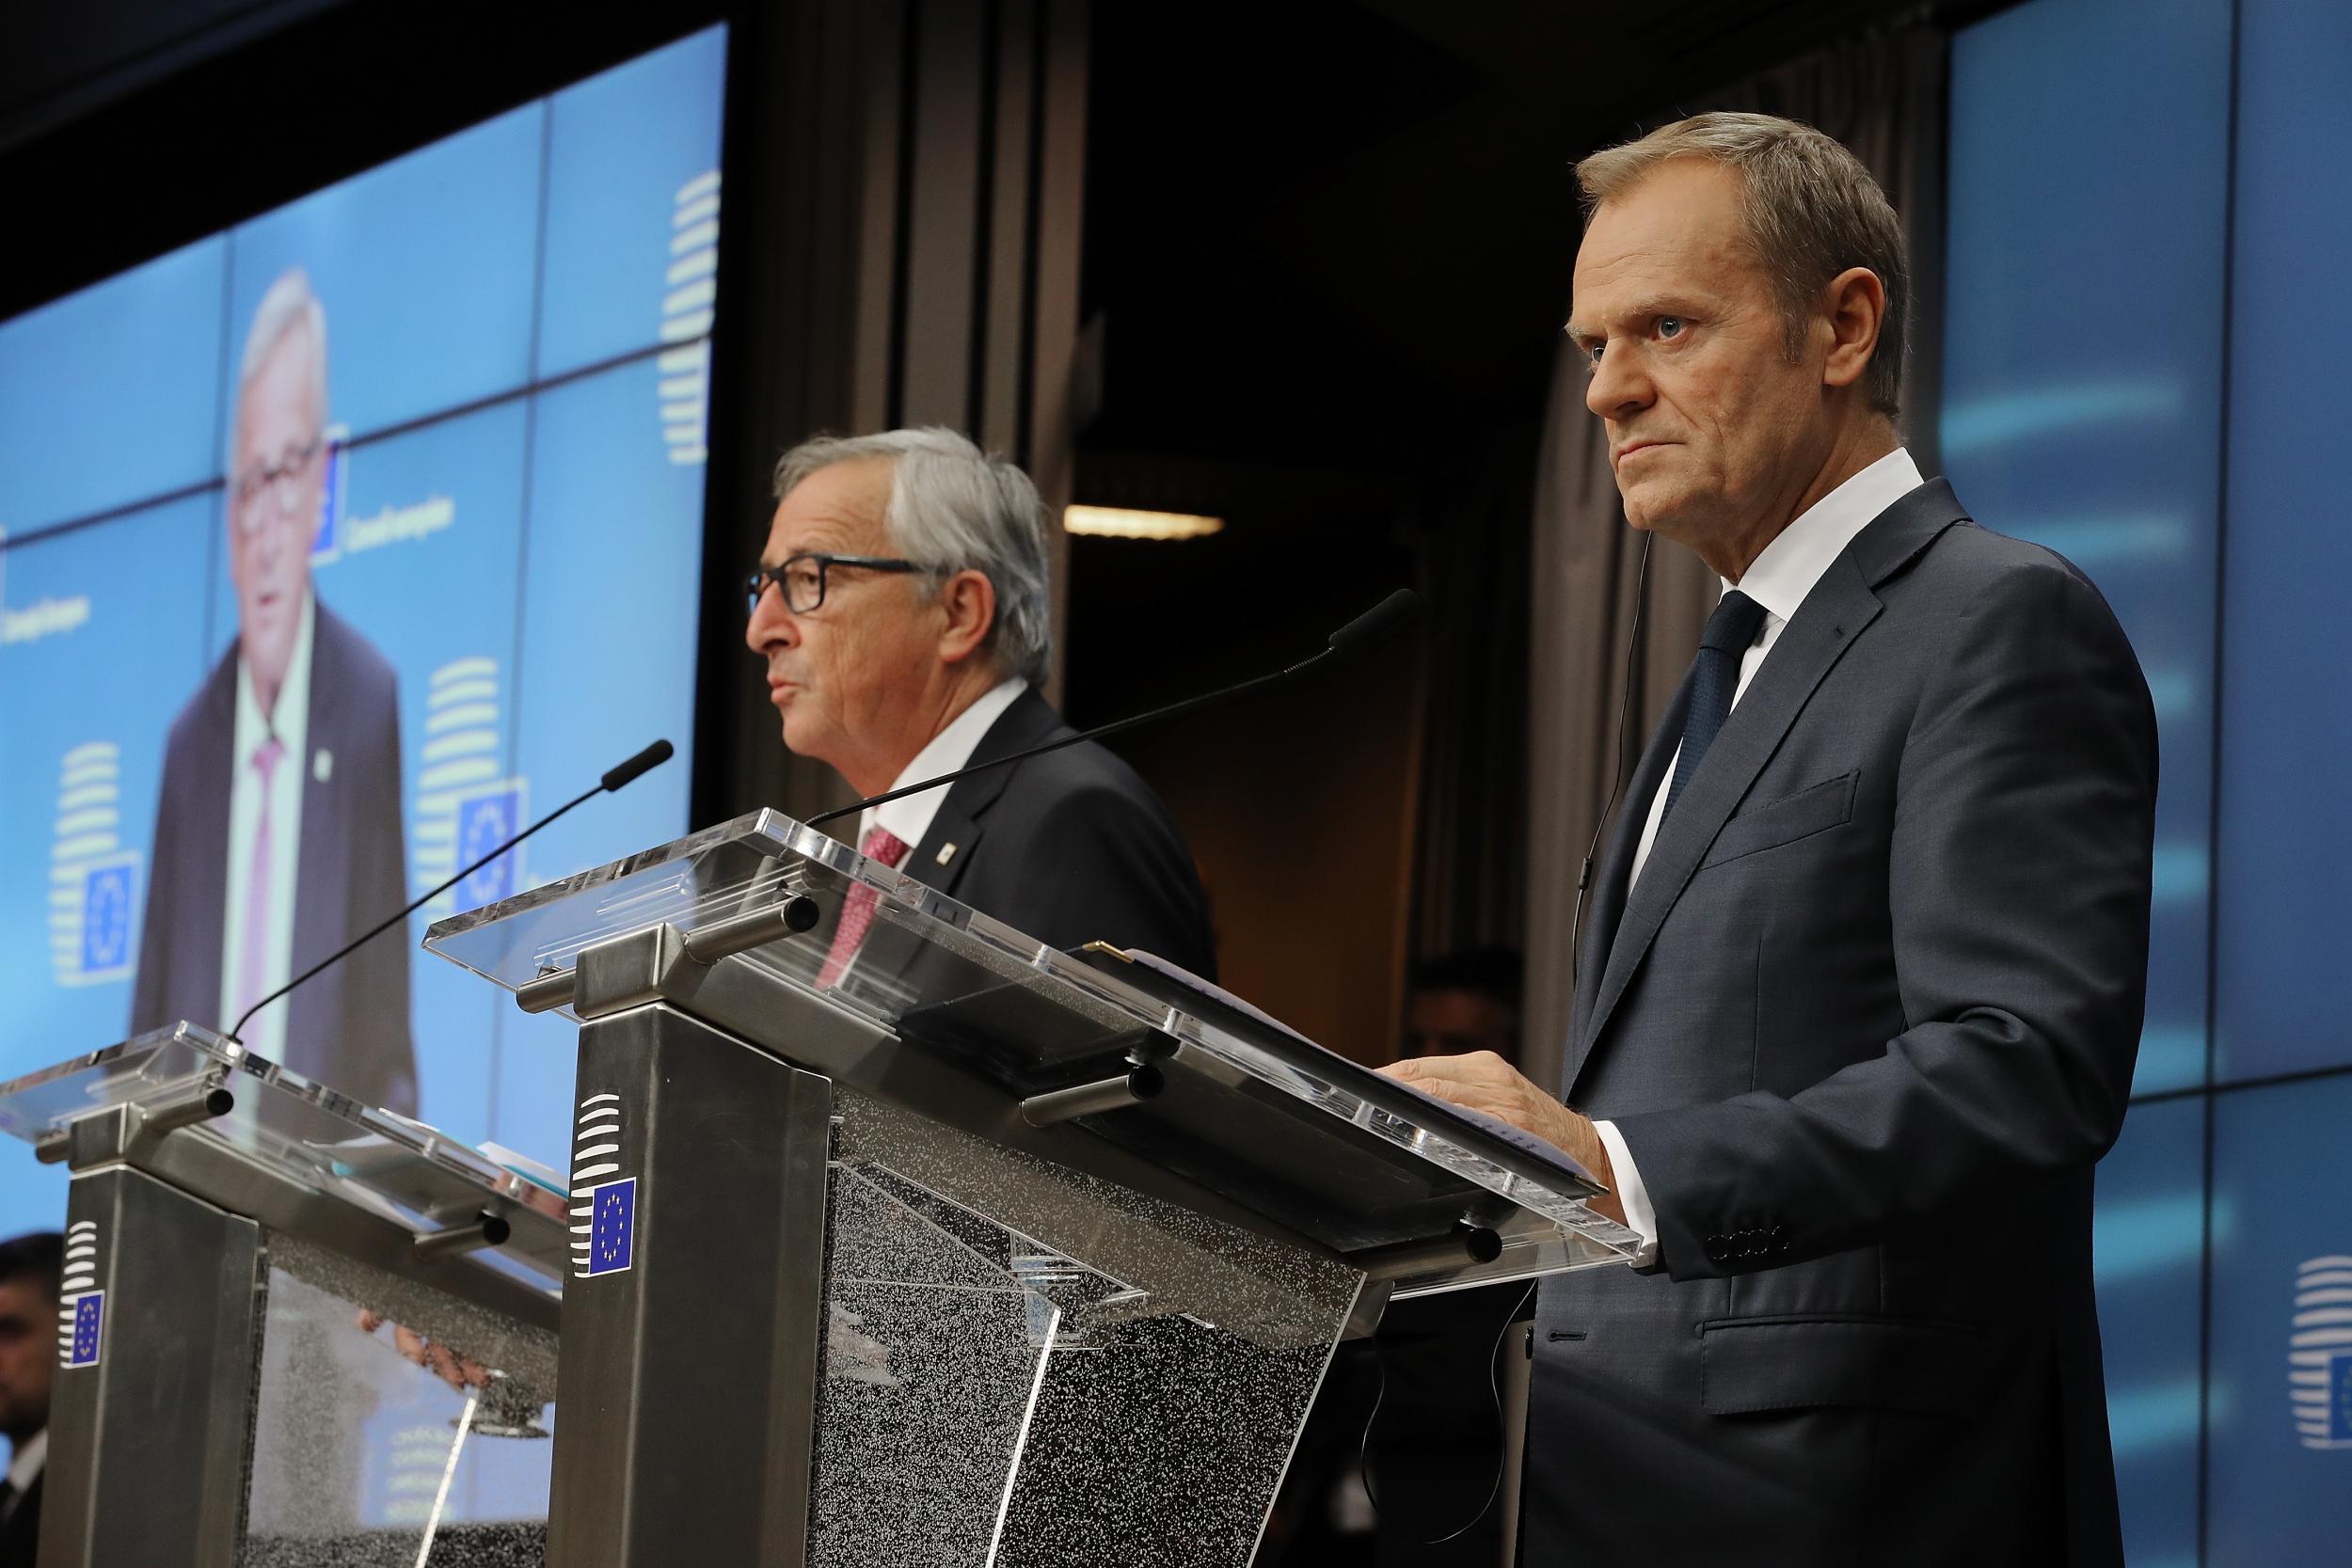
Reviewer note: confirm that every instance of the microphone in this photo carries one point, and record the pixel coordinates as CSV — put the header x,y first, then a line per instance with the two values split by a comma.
x,y
1361,632
627,773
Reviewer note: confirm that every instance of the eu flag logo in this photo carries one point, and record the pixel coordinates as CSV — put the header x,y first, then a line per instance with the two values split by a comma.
x,y
612,1226
90,1316
483,821
107,915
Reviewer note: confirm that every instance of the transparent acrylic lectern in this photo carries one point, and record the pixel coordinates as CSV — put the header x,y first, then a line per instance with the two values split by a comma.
x,y
950,1248
217,1403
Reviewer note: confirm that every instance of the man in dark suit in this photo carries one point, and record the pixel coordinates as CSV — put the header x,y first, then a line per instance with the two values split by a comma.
x,y
1860,989
903,610
32,1276
277,835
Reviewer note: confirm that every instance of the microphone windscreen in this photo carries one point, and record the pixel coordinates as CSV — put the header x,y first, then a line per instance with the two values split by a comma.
x,y
639,766
1377,622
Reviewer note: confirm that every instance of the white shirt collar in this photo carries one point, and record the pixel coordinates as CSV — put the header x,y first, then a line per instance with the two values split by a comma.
x,y
290,719
24,1464
1784,573
910,819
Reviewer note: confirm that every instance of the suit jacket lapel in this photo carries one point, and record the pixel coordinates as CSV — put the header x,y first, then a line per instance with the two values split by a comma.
x,y
960,820
1832,616
952,833
1607,910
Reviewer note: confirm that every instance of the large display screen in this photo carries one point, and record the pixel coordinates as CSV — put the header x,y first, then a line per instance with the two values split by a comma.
x,y
336,545
2109,172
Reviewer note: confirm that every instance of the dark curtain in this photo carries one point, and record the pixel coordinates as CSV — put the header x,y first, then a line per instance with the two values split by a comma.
x,y
1883,97
1469,862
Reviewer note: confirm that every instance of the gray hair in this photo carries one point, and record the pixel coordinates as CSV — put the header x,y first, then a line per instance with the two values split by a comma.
x,y
955,508
288,305
1812,211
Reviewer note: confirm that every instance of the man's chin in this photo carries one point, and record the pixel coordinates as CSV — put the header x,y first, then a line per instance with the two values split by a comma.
x,y
803,739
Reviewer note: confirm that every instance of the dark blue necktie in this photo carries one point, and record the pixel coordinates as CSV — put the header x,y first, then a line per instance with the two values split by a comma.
x,y
1714,678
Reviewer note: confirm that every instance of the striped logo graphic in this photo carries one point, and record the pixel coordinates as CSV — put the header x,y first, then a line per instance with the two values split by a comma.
x,y
2319,1352
81,1305
604,1211
689,305
413,1474
465,802
93,881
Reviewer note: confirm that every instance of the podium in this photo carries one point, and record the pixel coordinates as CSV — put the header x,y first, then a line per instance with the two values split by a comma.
x,y
215,1403
949,1247
937,1247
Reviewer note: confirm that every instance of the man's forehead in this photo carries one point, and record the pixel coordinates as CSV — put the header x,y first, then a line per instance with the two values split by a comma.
x,y
283,382
1678,228
836,509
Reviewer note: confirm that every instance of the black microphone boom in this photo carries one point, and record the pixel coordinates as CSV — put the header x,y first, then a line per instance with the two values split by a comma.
x,y
628,772
637,766
1372,625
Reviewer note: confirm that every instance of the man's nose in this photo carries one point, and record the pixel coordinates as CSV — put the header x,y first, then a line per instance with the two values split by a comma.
x,y
1618,386
772,625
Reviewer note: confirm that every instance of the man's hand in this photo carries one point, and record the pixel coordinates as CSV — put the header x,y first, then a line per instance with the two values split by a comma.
x,y
1483,1081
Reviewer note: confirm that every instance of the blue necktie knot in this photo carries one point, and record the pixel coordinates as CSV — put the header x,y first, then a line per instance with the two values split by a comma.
x,y
1733,626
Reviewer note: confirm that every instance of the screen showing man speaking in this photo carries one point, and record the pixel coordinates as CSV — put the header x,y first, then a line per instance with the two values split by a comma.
x,y
334,546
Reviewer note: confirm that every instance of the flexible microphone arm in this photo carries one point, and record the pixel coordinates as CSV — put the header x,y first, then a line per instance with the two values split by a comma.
x,y
627,773
1365,628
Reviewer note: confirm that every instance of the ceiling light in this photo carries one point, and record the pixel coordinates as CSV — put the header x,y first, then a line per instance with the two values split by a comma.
x,y
1119,523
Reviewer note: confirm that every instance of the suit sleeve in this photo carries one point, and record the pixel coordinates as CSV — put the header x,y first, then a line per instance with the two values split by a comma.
x,y
2018,889
380,883
1112,869
151,984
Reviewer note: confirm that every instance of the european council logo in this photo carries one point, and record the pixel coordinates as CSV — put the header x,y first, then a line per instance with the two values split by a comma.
x,y
326,544
93,881
604,1213
2319,1356
463,793
486,817
81,1305
689,305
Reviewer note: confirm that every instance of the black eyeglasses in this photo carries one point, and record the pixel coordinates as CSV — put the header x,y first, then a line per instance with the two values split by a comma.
x,y
281,482
801,578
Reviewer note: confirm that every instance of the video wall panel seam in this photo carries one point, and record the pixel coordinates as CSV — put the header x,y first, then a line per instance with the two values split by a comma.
x,y
360,442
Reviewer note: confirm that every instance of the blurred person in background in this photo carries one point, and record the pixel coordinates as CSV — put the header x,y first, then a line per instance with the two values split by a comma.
x,y
277,832
32,1276
1464,1001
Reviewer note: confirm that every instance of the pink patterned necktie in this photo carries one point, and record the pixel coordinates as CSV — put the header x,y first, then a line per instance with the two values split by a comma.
x,y
251,965
857,910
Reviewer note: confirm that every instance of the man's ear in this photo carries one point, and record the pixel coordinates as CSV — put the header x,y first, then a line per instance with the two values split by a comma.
x,y
968,602
1856,305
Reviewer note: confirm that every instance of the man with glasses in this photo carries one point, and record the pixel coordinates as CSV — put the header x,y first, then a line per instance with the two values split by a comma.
x,y
278,836
903,608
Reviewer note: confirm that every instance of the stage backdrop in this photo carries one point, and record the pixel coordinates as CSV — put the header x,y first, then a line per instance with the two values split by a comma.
x,y
2146,336
508,537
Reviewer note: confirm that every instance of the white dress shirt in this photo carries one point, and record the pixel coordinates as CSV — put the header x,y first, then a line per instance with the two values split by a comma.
x,y
1778,580
910,819
25,1466
290,721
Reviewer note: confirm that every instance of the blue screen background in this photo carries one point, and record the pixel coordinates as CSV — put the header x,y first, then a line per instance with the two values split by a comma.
x,y
2146,332
514,374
